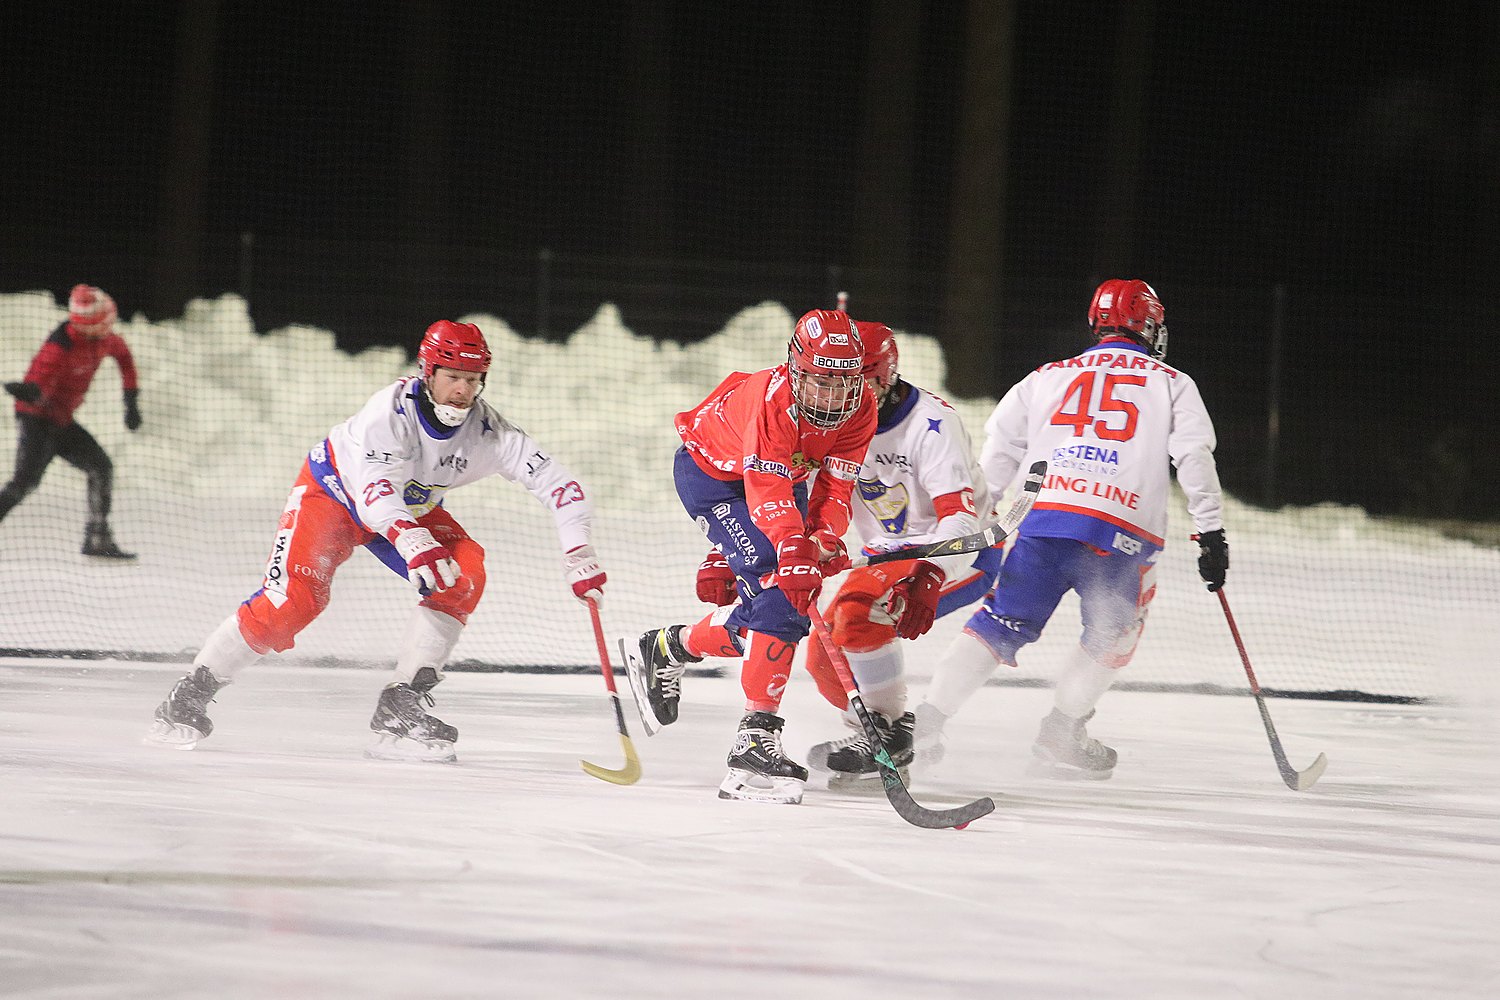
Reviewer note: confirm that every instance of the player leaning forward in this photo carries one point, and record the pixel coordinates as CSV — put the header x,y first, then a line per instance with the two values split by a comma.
x,y
742,473
378,481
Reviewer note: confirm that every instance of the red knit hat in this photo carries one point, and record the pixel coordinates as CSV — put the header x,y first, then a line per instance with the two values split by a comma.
x,y
91,311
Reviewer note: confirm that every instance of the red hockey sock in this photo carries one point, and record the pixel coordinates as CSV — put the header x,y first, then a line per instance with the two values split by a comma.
x,y
707,638
764,673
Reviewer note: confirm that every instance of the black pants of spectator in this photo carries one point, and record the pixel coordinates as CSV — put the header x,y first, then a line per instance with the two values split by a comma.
x,y
39,443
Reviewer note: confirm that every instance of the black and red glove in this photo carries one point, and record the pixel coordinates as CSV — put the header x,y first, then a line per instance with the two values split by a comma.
x,y
797,572
716,584
918,599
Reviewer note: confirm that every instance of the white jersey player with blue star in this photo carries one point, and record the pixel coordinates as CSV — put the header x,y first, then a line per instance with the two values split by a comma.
x,y
919,483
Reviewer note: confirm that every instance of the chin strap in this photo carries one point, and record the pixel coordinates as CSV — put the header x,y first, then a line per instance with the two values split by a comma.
x,y
448,416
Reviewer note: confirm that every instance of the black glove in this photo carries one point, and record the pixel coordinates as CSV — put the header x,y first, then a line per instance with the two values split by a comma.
x,y
1213,557
132,412
26,392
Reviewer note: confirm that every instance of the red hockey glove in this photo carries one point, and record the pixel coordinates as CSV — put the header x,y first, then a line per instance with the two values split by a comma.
x,y
584,574
917,597
429,565
832,556
716,580
797,572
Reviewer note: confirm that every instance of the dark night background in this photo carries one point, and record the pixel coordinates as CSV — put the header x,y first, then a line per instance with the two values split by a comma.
x,y
1312,183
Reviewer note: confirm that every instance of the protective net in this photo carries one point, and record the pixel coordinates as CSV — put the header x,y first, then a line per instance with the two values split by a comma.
x,y
633,201
1329,599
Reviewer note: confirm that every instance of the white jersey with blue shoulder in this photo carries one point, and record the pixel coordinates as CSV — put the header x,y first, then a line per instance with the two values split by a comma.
x,y
392,463
920,452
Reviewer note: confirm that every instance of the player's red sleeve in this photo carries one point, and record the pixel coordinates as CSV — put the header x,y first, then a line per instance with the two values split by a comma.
x,y
116,347
828,505
957,502
768,445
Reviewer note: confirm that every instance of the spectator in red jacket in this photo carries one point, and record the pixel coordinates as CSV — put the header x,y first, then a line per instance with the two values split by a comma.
x,y
52,390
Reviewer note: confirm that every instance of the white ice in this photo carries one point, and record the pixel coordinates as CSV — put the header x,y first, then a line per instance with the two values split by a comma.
x,y
274,861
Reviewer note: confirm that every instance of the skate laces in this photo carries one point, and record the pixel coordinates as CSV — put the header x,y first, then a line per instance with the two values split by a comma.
x,y
770,742
668,667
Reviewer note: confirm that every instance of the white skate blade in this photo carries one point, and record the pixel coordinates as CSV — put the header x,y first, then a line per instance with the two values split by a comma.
x,y
748,786
635,673
388,746
1052,770
173,735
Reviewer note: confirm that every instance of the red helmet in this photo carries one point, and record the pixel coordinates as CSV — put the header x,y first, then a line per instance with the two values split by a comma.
x,y
880,358
459,346
823,362
91,311
1128,307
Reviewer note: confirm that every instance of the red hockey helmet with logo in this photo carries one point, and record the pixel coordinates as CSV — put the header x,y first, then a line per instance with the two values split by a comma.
x,y
824,360
459,346
1128,307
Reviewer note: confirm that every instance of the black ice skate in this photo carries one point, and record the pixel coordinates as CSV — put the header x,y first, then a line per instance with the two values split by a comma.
x,y
758,770
182,720
852,758
655,671
404,730
1063,749
99,542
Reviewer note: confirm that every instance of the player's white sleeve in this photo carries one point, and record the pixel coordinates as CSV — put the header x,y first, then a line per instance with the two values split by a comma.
x,y
374,453
1191,445
524,461
1005,439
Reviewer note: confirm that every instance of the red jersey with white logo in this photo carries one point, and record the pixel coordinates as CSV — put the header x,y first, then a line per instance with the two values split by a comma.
x,y
748,429
1107,422
64,369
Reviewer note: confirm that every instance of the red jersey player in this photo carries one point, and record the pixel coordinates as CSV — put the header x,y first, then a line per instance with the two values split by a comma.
x,y
54,387
747,453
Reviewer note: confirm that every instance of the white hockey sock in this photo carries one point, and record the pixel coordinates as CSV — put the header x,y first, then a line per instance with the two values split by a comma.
x,y
965,666
881,679
430,637
1081,683
225,652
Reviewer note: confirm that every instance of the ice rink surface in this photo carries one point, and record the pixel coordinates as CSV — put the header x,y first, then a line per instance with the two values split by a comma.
x,y
274,861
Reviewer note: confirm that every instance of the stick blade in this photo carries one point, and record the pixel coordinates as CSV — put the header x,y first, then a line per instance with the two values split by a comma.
x,y
627,775
1301,781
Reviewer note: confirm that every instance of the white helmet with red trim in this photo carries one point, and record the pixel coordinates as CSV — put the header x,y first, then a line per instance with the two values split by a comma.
x,y
823,363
